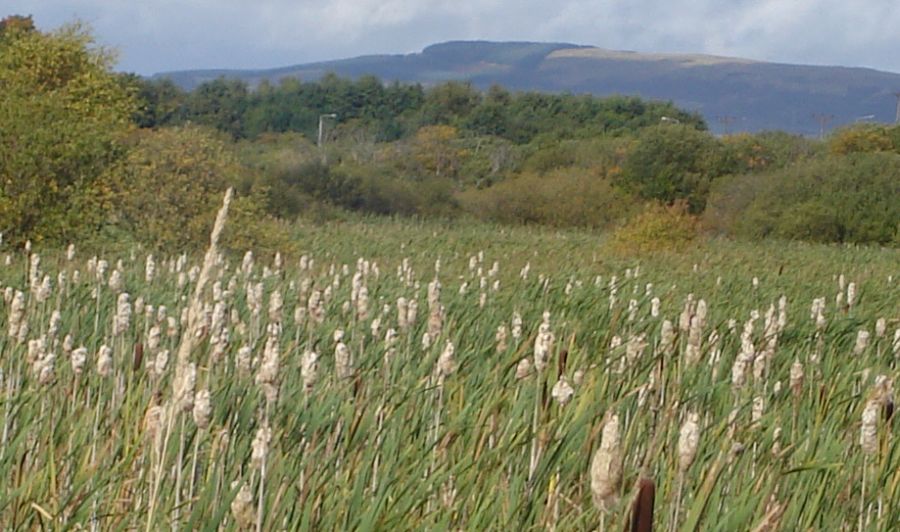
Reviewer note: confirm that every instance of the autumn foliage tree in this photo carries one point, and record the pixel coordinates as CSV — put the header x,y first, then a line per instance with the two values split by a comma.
x,y
62,114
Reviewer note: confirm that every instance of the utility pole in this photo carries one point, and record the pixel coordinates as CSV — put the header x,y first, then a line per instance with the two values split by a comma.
x,y
726,122
897,116
823,121
321,138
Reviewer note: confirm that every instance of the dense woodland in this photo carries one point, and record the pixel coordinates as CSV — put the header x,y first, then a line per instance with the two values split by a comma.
x,y
87,153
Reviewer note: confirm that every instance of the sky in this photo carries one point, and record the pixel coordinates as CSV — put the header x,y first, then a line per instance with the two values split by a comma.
x,y
164,35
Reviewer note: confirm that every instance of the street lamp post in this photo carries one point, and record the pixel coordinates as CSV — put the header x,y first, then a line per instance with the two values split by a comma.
x,y
322,118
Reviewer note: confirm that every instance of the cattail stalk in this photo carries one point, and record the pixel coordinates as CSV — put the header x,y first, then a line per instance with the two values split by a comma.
x,y
188,340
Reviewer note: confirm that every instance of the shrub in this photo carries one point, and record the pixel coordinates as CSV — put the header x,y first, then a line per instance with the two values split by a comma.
x,y
657,228
854,198
564,198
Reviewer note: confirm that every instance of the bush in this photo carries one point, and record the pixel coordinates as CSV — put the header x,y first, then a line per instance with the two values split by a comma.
x,y
855,198
564,198
657,228
166,191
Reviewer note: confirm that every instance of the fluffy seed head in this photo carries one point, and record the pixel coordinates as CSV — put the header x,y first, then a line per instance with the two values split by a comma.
x,y
606,466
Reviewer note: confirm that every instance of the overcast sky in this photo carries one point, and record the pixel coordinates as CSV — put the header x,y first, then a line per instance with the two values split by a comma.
x,y
162,35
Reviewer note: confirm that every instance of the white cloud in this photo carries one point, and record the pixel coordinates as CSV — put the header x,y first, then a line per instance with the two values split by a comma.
x,y
156,35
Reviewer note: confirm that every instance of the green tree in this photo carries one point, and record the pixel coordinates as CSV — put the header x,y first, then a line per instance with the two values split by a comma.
x,y
672,162
62,115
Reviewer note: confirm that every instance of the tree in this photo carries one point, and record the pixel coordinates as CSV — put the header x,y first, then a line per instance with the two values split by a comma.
x,y
672,162
168,187
63,113
436,151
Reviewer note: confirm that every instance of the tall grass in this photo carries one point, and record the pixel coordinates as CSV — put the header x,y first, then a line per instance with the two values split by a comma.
x,y
416,440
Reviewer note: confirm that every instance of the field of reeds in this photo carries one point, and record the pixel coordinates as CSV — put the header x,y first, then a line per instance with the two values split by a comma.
x,y
413,376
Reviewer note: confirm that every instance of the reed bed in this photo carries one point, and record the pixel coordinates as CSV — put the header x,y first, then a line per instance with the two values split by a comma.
x,y
411,376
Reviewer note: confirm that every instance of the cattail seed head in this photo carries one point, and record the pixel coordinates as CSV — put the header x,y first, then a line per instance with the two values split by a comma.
x,y
523,368
796,378
868,436
260,446
309,368
862,342
688,442
562,391
104,361
606,466
446,363
242,507
343,362
79,357
202,408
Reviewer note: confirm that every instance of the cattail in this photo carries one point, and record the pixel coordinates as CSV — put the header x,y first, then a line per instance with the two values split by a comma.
x,y
55,321
309,368
436,321
782,313
343,362
654,307
756,412
70,252
796,379
868,436
104,361
446,363
667,338
115,281
402,313
242,507
562,391
695,331
100,269
160,362
260,446
634,348
202,408
276,304
426,341
122,319
606,467
16,314
543,343
880,327
79,357
267,376
862,341
412,312
516,325
153,338
688,441
851,295
243,359
523,368
896,343
45,368
185,381
501,338
684,319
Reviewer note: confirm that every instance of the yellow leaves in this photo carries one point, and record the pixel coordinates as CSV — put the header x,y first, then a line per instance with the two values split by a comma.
x,y
435,150
861,139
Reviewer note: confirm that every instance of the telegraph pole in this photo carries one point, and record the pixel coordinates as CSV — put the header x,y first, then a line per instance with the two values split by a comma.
x,y
321,138
897,116
823,121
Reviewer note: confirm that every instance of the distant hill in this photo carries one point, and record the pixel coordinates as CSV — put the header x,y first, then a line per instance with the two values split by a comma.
x,y
732,94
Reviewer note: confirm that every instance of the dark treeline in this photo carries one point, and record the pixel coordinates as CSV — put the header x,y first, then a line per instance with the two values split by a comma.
x,y
394,111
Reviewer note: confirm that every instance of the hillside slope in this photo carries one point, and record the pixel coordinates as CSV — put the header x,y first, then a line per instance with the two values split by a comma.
x,y
732,94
